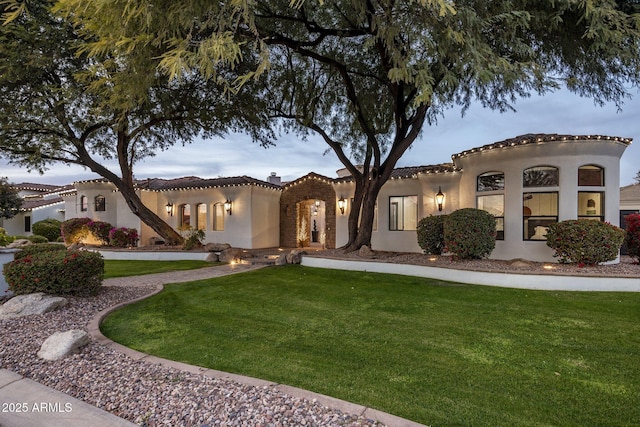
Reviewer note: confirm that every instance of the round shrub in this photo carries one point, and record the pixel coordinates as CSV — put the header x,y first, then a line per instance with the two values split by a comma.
x,y
34,249
584,241
123,237
75,230
632,238
34,238
49,228
470,233
100,230
56,272
431,234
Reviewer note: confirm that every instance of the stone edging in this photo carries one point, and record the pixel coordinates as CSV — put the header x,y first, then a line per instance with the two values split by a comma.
x,y
327,401
472,277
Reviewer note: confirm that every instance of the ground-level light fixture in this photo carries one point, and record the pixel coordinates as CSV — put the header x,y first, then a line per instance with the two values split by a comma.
x,y
169,208
227,206
342,204
439,198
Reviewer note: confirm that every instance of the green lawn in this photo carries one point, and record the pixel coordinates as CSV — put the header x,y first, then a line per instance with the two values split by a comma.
x,y
435,352
121,268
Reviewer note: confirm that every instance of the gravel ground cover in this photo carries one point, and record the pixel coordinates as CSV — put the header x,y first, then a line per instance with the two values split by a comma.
x,y
145,393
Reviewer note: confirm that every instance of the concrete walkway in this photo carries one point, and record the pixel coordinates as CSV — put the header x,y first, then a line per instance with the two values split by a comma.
x,y
26,403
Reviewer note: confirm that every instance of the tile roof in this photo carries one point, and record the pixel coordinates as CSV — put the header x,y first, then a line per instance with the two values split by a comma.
x,y
35,203
536,138
190,182
43,188
630,193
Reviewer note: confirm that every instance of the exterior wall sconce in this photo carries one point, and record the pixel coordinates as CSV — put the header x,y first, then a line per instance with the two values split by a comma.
x,y
227,206
317,203
342,204
169,208
439,198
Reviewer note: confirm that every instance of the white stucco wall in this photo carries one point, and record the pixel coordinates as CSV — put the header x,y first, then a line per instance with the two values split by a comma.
x,y
567,157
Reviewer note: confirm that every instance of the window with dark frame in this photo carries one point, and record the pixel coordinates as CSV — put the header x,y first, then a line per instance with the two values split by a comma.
x,y
84,204
100,203
494,204
539,210
590,176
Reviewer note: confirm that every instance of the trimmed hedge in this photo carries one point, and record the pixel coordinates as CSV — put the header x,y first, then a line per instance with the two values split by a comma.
x,y
56,272
431,234
470,233
49,228
34,249
5,239
632,239
584,241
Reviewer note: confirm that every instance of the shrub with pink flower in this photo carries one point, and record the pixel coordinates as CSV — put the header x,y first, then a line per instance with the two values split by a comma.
x,y
123,237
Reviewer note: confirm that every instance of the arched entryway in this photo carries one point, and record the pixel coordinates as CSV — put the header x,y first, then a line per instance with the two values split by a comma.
x,y
308,213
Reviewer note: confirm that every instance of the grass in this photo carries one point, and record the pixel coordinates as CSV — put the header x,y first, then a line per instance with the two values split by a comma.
x,y
435,352
123,268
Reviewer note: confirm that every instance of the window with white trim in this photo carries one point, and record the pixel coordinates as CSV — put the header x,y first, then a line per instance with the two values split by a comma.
x,y
403,213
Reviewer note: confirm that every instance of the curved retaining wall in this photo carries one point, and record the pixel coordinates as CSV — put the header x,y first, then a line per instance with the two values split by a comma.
x,y
545,282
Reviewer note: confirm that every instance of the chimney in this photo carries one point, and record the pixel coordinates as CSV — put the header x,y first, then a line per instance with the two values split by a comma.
x,y
274,179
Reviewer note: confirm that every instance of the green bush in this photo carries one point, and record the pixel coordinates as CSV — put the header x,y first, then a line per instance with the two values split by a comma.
x,y
35,238
584,241
470,233
5,239
193,237
56,272
100,230
632,239
431,234
123,237
75,230
34,249
49,228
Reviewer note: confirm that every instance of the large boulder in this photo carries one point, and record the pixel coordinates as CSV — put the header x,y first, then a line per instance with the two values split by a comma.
x,y
216,247
19,243
282,259
234,254
295,256
25,305
62,344
366,252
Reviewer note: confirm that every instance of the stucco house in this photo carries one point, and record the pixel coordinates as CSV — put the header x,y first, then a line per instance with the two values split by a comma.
x,y
526,182
40,202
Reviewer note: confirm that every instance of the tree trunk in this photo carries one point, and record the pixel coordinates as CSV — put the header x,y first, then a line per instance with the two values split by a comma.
x,y
363,212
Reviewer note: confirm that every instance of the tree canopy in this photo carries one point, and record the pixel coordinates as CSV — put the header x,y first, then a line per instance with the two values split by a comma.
x,y
368,75
10,201
59,104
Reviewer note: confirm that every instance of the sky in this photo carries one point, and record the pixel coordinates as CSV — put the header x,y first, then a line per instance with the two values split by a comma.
x,y
560,112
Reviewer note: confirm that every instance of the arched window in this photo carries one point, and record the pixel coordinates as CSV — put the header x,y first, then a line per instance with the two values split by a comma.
x,y
100,203
84,204
541,176
590,176
185,216
490,181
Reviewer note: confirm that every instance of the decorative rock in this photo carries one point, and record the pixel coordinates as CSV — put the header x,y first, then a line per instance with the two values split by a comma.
x,y
282,259
25,305
62,344
234,254
295,256
20,243
366,252
216,247
519,262
212,257
75,246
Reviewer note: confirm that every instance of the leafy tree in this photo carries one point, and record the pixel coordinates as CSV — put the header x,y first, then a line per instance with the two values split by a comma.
x,y
58,104
10,201
368,75
637,177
